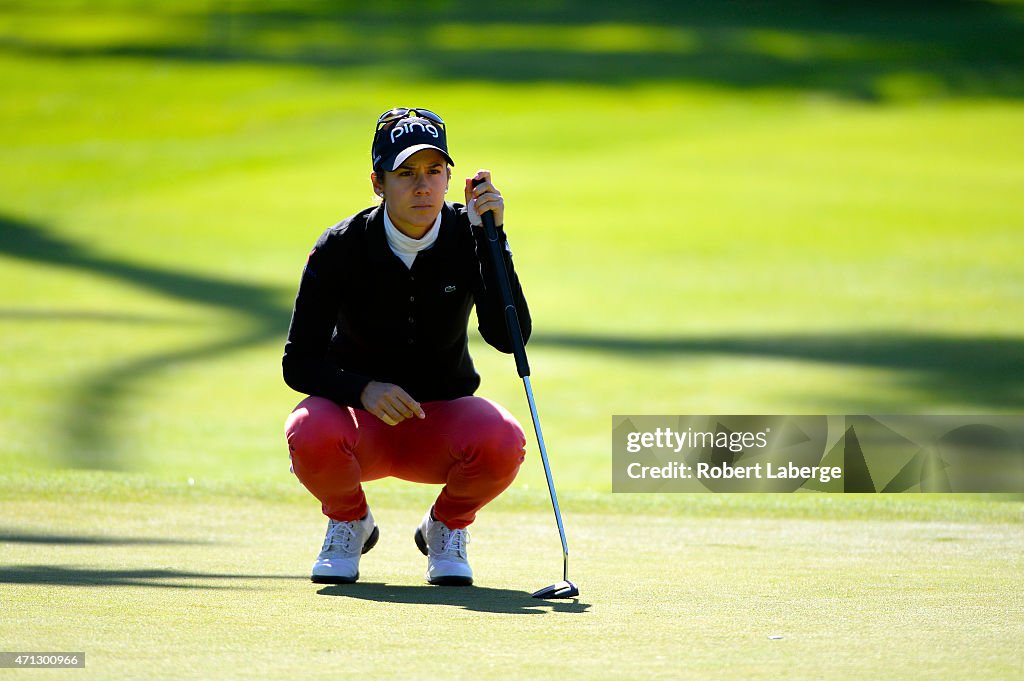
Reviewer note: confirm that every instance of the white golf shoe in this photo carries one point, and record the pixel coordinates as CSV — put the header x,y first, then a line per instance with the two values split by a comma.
x,y
445,550
338,562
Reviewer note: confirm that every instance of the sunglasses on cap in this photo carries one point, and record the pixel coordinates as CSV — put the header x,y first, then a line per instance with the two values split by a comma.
x,y
403,112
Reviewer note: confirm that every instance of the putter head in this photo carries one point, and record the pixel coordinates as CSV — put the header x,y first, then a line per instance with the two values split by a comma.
x,y
563,589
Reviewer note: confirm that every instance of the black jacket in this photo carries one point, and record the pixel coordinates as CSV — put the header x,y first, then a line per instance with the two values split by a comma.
x,y
361,315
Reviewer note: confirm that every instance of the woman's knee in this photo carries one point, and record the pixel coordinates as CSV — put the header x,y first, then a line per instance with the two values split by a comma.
x,y
502,443
317,429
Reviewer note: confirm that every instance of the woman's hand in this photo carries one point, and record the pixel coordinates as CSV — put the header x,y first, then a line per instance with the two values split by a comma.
x,y
482,198
390,403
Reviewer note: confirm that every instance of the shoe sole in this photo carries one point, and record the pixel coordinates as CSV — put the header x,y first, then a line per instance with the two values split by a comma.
x,y
452,580
370,542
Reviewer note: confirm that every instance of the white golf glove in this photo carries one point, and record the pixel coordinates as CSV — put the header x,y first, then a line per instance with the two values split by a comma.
x,y
474,217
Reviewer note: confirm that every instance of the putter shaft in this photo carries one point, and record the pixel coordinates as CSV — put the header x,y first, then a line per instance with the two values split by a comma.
x,y
523,367
547,474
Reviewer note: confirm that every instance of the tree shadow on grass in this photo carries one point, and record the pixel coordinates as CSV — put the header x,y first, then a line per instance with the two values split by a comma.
x,y
90,316
34,243
475,598
978,370
96,400
848,48
59,575
12,536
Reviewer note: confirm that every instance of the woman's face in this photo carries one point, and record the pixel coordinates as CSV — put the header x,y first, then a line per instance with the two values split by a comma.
x,y
414,193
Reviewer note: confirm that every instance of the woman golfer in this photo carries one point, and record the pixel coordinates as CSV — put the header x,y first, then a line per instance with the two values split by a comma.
x,y
378,342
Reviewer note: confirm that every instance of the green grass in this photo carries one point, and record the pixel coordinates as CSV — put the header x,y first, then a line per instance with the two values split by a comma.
x,y
714,209
182,585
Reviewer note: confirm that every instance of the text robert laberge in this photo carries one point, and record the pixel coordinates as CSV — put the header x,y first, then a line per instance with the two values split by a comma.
x,y
756,471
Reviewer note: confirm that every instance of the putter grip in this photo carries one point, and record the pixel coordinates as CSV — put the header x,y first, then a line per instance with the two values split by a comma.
x,y
515,332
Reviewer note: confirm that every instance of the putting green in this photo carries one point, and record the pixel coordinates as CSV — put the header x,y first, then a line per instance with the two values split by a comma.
x,y
741,208
193,585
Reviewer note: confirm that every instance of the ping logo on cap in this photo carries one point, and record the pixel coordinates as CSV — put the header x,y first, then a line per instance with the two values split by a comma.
x,y
409,126
402,138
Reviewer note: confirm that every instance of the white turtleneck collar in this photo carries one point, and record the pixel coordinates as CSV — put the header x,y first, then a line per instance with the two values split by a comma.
x,y
404,246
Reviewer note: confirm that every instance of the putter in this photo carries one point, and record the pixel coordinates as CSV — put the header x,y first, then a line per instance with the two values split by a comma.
x,y
564,588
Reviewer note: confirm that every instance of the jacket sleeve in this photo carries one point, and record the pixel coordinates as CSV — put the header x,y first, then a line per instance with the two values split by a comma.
x,y
306,364
490,310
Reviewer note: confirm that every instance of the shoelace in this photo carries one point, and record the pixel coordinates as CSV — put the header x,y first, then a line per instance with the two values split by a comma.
x,y
455,541
348,532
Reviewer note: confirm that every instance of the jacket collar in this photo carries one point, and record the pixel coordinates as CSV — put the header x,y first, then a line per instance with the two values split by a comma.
x,y
377,240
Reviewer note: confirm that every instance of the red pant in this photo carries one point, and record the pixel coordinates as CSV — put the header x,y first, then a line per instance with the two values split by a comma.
x,y
470,444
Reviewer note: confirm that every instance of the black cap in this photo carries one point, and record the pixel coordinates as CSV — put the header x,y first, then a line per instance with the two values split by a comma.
x,y
392,145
